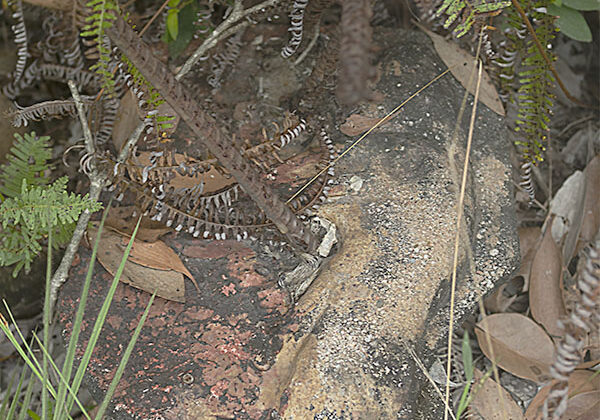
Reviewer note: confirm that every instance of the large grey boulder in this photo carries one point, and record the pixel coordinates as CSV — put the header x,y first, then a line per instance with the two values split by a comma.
x,y
389,283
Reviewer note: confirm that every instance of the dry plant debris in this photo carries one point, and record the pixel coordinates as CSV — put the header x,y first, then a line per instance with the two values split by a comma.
x,y
552,337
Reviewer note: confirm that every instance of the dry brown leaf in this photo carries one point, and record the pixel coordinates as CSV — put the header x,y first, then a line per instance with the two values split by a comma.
x,y
126,120
505,295
461,65
580,381
567,208
122,220
168,284
545,288
528,238
487,402
585,406
357,124
525,268
520,345
156,255
591,206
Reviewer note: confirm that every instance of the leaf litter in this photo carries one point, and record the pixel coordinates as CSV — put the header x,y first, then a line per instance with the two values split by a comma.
x,y
150,266
523,337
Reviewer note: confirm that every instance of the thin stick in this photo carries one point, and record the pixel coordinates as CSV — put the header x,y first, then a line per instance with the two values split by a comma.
x,y
222,31
380,122
97,181
158,12
427,375
131,141
460,203
310,46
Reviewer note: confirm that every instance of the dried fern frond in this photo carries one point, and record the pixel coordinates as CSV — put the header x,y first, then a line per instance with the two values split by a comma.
x,y
20,32
584,318
44,110
296,28
15,87
60,73
225,59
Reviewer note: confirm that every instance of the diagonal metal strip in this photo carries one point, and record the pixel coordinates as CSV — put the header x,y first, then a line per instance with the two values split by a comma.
x,y
206,128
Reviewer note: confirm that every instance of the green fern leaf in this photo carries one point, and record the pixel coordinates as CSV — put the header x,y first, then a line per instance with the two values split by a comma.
x,y
27,160
28,213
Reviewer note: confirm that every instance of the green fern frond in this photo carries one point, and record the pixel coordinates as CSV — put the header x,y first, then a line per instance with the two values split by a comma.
x,y
27,160
28,212
534,95
104,12
154,99
468,11
43,207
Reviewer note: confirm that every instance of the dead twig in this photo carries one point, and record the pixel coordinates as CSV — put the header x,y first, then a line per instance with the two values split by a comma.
x,y
97,181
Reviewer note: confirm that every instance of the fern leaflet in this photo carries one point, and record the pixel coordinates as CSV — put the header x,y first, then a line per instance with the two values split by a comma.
x,y
29,207
27,161
103,13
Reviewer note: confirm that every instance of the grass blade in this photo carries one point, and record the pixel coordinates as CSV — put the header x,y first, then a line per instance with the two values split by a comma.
x,y
100,319
27,398
4,406
15,400
124,360
32,361
46,322
74,339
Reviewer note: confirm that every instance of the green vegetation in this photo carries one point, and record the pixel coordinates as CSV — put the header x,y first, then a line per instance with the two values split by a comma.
x,y
31,206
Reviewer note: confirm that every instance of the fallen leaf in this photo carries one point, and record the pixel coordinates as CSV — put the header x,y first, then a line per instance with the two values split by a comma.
x,y
126,120
580,381
168,284
545,288
520,346
487,402
461,63
157,255
357,124
123,220
505,295
528,237
567,207
591,206
584,406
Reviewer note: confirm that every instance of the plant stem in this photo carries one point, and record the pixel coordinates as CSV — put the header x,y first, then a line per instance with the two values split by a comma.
x,y
97,181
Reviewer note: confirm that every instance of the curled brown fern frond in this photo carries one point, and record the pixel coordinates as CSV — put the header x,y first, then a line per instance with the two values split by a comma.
x,y
582,320
44,110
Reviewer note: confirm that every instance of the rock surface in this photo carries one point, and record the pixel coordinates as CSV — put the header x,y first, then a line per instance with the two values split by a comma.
x,y
238,349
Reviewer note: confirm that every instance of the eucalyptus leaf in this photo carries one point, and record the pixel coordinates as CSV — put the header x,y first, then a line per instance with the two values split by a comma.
x,y
173,23
187,16
571,23
582,4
